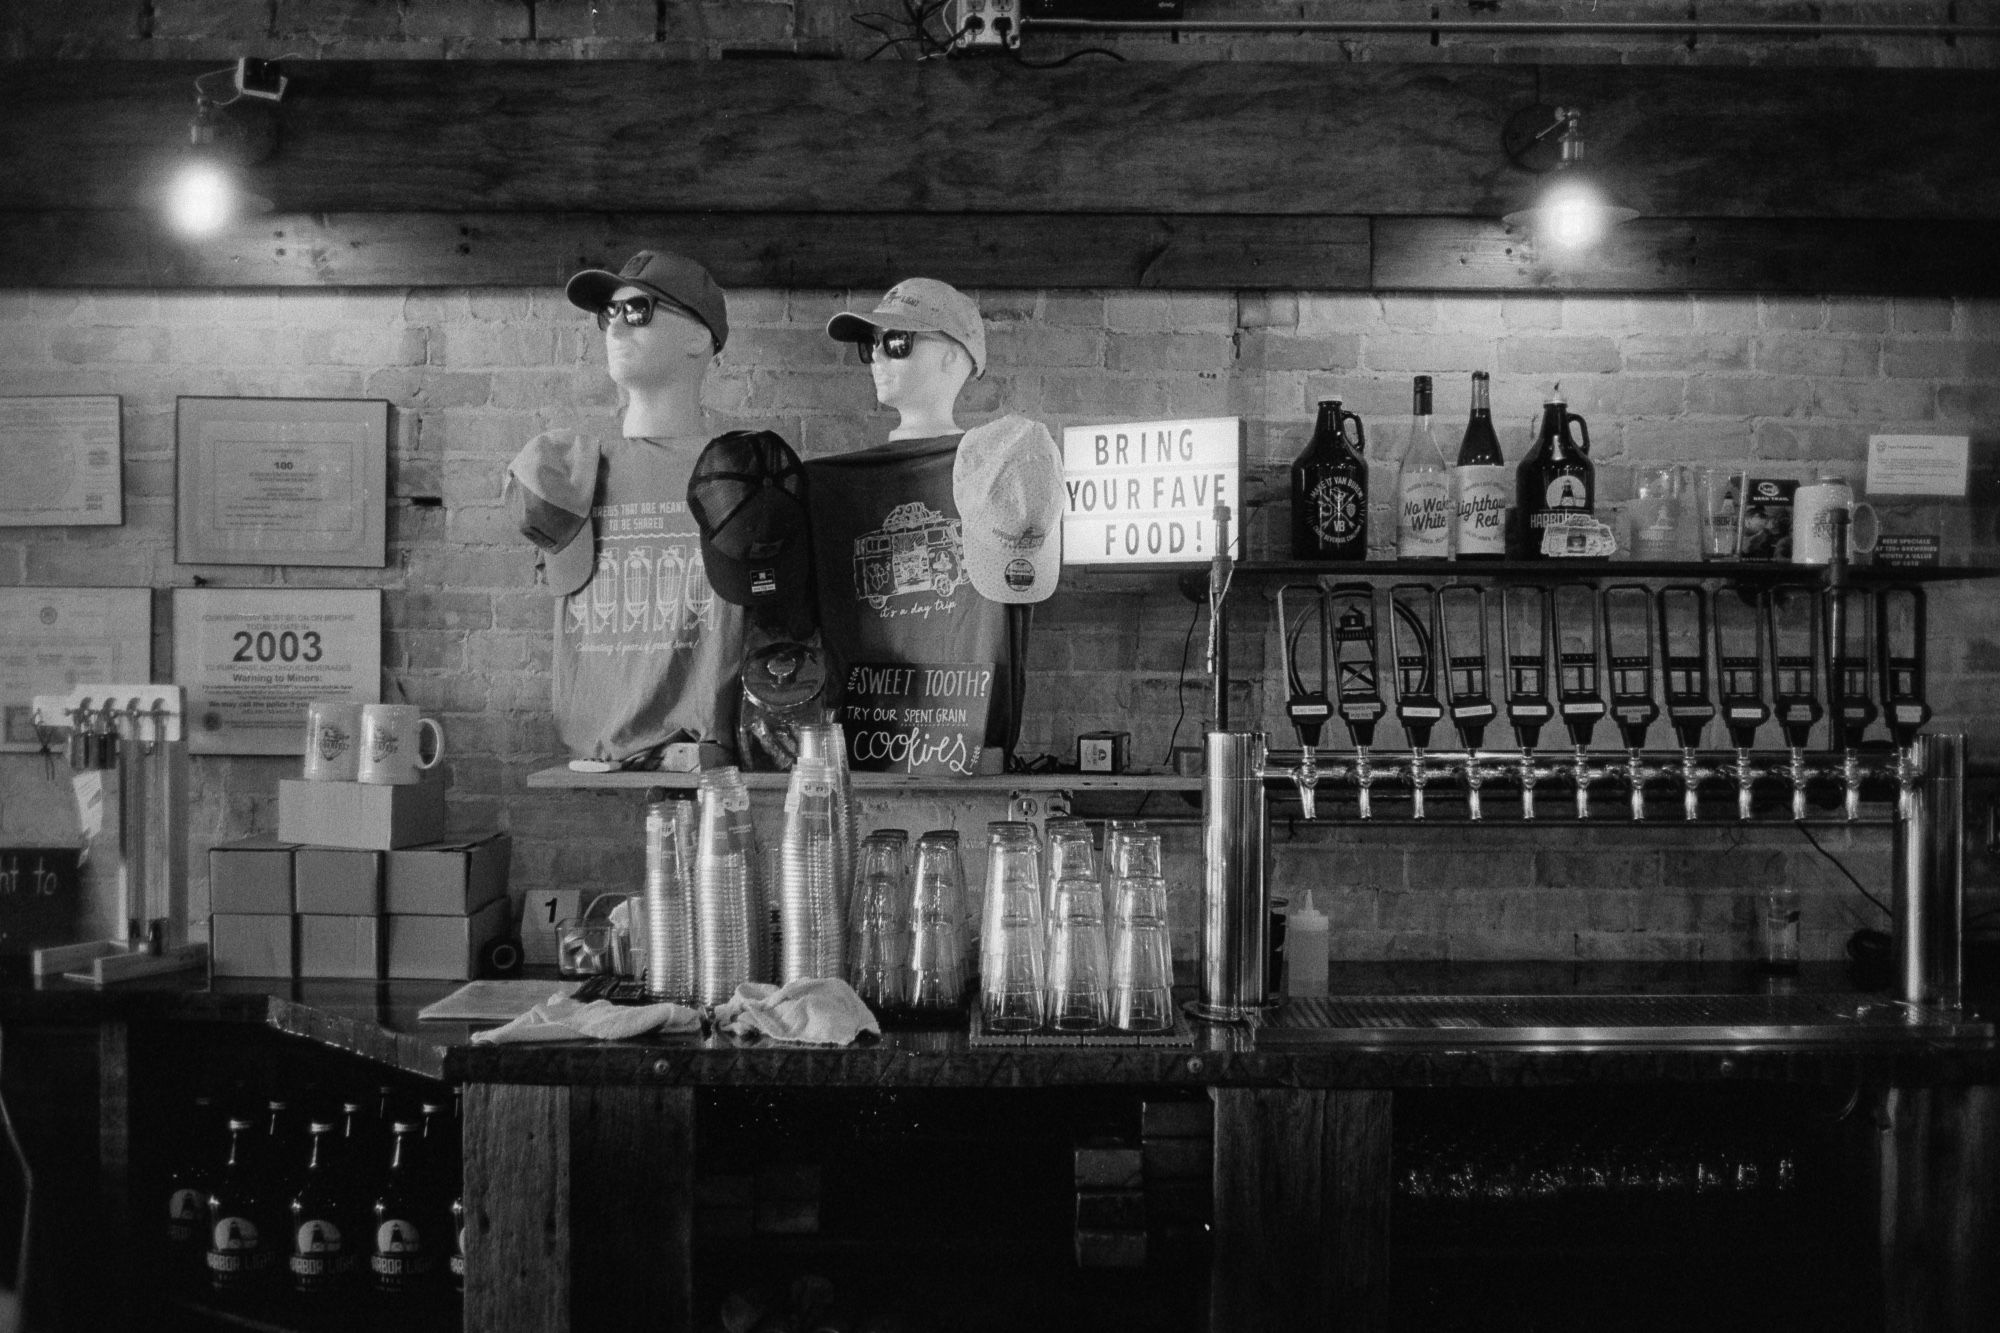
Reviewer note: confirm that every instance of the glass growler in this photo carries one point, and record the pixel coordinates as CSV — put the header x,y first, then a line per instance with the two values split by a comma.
x,y
242,1221
1556,488
407,1223
1330,489
325,1231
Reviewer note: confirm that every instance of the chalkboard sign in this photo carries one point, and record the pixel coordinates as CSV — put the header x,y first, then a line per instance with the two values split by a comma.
x,y
917,717
40,903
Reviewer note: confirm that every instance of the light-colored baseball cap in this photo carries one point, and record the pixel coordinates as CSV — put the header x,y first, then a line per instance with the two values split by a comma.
x,y
675,277
557,476
921,305
1008,484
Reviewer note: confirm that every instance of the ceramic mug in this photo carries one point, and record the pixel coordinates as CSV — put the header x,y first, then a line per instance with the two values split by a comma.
x,y
392,744
333,740
1813,508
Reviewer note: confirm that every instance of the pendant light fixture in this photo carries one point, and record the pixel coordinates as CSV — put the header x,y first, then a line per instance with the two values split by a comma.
x,y
234,127
1572,210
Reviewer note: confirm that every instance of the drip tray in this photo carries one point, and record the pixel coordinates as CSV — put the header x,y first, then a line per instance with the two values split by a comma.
x,y
1613,1020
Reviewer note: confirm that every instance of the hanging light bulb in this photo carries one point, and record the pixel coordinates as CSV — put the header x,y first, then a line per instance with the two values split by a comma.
x,y
201,199
1572,212
206,191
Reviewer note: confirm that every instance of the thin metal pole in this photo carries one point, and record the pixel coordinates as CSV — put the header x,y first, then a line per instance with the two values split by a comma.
x,y
1521,27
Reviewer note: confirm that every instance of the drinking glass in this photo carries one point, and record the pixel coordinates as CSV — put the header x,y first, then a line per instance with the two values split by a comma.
x,y
1142,974
1778,930
1011,959
1717,494
878,959
1077,997
1072,855
1656,515
937,925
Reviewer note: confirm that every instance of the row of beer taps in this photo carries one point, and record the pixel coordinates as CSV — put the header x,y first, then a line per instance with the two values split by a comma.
x,y
1844,656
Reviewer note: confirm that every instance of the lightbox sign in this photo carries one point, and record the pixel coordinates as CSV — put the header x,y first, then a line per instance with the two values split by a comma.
x,y
1144,492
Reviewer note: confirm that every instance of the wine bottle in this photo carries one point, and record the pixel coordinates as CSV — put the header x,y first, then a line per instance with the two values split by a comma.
x,y
1557,488
242,1227
325,1229
1330,490
1424,517
1481,482
406,1226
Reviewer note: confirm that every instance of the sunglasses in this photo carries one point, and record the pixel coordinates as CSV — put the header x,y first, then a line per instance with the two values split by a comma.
x,y
895,344
636,311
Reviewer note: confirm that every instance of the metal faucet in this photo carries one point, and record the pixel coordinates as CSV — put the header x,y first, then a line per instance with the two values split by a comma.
x,y
1529,777
1364,783
1306,778
1420,777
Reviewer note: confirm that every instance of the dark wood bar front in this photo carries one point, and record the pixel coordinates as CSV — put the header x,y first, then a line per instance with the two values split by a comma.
x,y
583,1161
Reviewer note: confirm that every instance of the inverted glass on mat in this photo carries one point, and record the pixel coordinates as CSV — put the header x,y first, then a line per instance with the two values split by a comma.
x,y
878,942
1142,972
1077,996
1010,957
937,930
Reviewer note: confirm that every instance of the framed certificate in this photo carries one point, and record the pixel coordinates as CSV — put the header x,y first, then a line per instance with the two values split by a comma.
x,y
252,658
54,639
281,481
61,462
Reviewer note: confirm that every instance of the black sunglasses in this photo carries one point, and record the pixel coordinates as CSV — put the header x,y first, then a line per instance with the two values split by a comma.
x,y
895,344
636,311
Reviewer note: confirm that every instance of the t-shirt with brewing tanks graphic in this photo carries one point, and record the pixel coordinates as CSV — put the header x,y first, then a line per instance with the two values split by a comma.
x,y
645,652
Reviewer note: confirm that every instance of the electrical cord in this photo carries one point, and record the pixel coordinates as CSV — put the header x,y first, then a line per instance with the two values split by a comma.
x,y
915,21
1187,642
1060,61
1837,865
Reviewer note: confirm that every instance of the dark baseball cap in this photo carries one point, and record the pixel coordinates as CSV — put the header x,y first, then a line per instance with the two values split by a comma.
x,y
675,277
748,497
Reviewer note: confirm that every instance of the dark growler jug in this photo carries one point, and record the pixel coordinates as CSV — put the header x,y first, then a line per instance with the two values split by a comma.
x,y
1556,490
1330,489
242,1222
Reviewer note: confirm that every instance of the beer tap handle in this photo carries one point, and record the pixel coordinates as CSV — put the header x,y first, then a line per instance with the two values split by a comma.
x,y
1901,635
1683,614
1467,679
1413,637
1526,642
1630,634
1307,704
1357,675
1578,640
1741,668
1850,657
1793,612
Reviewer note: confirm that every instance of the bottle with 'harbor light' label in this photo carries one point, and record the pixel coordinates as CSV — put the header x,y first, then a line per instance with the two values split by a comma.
x,y
1330,490
1424,513
324,1226
242,1223
408,1225
1483,489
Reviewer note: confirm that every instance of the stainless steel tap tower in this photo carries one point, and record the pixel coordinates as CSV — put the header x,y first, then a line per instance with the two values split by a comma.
x,y
1929,894
1235,888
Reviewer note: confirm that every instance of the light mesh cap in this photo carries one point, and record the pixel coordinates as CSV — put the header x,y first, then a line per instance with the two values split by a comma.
x,y
1008,484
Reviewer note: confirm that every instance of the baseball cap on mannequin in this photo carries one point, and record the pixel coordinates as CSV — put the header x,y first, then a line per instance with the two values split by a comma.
x,y
920,305
674,277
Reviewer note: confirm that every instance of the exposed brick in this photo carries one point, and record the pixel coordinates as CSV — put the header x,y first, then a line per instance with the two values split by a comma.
x,y
1800,355
1916,314
1881,401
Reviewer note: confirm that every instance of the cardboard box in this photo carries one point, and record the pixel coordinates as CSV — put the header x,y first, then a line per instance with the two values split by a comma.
x,y
252,877
250,945
340,946
444,948
371,816
336,881
450,878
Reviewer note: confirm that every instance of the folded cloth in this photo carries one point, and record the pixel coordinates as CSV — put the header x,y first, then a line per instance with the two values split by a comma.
x,y
560,1018
816,1011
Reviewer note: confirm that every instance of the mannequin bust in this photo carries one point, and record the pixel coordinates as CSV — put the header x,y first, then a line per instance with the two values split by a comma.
x,y
660,366
923,387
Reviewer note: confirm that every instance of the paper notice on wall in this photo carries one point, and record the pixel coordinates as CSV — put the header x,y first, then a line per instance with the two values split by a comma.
x,y
1919,465
252,659
55,639
89,803
60,461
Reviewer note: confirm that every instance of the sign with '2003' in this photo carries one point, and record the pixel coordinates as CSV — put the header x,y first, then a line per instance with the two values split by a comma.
x,y
252,659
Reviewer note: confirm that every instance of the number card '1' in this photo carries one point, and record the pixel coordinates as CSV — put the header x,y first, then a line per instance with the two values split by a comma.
x,y
252,659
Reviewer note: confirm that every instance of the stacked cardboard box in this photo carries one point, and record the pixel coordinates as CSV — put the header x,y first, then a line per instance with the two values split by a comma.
x,y
359,883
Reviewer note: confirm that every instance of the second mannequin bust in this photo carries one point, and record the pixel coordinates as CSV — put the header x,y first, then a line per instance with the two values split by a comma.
x,y
921,343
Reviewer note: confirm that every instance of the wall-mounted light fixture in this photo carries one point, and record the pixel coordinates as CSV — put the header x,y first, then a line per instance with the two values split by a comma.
x,y
1572,210
235,126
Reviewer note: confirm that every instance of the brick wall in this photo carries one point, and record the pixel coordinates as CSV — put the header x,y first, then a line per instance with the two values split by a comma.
x,y
1796,384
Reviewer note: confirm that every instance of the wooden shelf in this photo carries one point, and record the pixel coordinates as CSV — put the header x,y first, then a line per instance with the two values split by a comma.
x,y
564,778
1760,571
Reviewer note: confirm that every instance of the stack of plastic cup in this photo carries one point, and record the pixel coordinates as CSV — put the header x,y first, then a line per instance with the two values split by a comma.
x,y
808,904
670,918
827,743
726,902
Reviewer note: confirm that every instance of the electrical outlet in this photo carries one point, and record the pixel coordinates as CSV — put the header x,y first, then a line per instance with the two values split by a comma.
x,y
978,23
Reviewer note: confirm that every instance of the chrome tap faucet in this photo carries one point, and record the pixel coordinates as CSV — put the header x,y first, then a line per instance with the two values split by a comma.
x,y
1364,784
1475,778
1420,776
1582,770
1529,777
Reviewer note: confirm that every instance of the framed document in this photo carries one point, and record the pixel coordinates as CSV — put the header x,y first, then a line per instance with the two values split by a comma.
x,y
281,481
61,463
54,639
252,658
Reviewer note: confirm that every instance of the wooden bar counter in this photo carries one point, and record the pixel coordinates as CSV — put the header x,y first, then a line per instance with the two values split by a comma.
x,y
582,1161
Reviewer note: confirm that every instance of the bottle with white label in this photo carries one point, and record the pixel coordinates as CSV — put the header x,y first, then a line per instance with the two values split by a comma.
x,y
1425,513
1483,486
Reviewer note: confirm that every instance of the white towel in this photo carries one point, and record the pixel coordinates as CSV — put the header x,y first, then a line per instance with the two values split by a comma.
x,y
817,1011
560,1018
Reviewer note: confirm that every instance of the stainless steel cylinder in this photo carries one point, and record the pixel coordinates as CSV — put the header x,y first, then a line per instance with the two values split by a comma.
x,y
1929,893
1235,885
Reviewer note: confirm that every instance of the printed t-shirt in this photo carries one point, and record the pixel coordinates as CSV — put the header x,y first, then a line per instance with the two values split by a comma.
x,y
889,555
645,653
